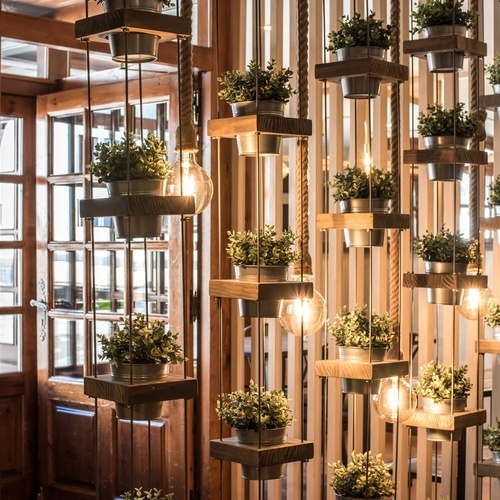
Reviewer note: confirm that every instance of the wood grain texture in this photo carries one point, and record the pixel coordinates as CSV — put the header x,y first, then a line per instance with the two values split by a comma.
x,y
487,468
366,66
444,43
264,124
363,221
137,205
361,370
491,101
445,155
174,387
491,223
488,346
292,451
450,281
239,289
166,27
459,420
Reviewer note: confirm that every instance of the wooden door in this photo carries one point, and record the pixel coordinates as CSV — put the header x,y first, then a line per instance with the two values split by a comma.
x,y
18,336
86,451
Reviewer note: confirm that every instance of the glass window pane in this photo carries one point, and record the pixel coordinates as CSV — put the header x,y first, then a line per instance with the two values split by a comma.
x,y
108,125
10,343
68,347
68,280
67,144
24,59
109,281
10,145
66,222
10,277
11,197
103,226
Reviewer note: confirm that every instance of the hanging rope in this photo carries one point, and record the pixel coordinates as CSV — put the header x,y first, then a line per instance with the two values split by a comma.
x,y
304,267
189,144
395,243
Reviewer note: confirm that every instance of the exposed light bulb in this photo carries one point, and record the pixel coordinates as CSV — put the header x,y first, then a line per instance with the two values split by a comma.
x,y
472,299
367,162
195,182
303,316
395,397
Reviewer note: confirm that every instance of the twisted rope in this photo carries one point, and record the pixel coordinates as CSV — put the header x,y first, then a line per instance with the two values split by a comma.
x,y
302,188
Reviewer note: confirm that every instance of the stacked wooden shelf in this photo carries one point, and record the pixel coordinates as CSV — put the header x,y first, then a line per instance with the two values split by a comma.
x,y
487,468
451,422
361,370
491,101
363,221
488,346
445,43
449,281
251,290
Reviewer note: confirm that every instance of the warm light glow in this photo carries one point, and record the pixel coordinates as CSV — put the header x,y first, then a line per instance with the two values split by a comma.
x,y
367,162
395,398
195,182
472,300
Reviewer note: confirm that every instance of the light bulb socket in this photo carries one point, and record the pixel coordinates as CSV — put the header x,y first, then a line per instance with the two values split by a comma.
x,y
185,139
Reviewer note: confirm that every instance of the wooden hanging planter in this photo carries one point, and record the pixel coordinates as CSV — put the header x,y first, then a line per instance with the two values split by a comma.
x,y
487,468
338,368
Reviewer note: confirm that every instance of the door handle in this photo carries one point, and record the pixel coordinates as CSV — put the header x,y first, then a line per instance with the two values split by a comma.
x,y
42,307
39,303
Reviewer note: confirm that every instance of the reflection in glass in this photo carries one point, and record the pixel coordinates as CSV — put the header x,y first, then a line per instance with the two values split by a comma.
x,y
10,343
68,347
68,279
109,281
67,224
10,277
10,145
10,211
67,144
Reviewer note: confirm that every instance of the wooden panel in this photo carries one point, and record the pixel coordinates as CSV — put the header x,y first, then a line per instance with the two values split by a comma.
x,y
73,458
250,290
366,66
450,281
491,101
444,43
167,27
265,124
445,155
360,370
458,420
11,436
291,451
491,223
487,468
174,387
363,221
488,346
137,205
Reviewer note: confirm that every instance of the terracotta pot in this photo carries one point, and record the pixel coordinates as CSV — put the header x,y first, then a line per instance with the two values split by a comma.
x,y
444,296
448,61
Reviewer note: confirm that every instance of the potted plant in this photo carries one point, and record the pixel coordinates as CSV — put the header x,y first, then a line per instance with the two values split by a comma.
x,y
258,417
493,72
359,37
153,349
445,253
356,341
275,256
492,440
155,494
492,317
443,17
147,167
352,189
365,476
494,198
446,128
274,92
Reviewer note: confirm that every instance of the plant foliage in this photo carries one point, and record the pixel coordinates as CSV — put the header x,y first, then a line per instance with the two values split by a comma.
x,y
492,436
155,494
274,84
436,380
493,70
440,121
443,245
441,12
242,247
492,317
365,476
358,31
148,161
354,183
352,328
150,343
240,409
494,187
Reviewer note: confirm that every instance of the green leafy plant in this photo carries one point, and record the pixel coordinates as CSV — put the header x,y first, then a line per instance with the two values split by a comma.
x,y
443,245
274,84
492,436
150,343
365,476
493,70
494,187
440,121
148,161
240,409
166,3
436,380
154,493
242,247
352,328
492,317
356,31
441,12
354,183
